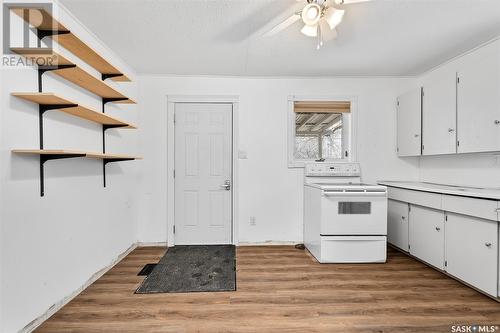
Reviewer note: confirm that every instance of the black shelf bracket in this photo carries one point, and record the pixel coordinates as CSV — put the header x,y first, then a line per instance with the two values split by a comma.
x,y
44,158
47,157
106,100
104,129
44,108
107,127
41,34
109,76
43,69
112,160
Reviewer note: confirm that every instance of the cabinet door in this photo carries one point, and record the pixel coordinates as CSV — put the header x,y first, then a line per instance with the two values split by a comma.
x,y
410,123
472,251
439,114
397,224
478,101
427,235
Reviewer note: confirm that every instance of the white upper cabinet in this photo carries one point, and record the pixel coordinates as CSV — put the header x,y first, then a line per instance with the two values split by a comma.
x,y
409,123
439,113
478,100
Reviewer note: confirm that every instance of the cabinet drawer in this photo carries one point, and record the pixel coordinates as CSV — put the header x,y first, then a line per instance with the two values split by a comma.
x,y
486,209
426,199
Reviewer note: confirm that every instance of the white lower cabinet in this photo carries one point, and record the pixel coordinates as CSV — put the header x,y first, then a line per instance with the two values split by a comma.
x,y
426,235
456,234
472,251
397,224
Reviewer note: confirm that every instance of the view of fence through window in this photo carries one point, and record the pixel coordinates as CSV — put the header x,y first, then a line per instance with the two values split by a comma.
x,y
318,136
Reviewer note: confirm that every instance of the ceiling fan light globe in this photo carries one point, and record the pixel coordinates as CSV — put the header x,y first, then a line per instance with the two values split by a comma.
x,y
311,14
310,30
333,17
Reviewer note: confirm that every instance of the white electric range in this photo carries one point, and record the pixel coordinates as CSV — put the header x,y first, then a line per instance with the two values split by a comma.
x,y
345,221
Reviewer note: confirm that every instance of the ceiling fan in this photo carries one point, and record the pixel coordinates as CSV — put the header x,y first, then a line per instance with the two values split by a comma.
x,y
320,18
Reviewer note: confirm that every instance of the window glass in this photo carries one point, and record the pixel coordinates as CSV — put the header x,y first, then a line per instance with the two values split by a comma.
x,y
318,136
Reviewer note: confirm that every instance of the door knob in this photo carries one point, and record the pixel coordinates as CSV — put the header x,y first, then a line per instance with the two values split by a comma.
x,y
438,228
487,244
451,130
497,122
227,185
417,135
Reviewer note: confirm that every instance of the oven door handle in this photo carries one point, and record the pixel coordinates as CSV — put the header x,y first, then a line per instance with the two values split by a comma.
x,y
354,194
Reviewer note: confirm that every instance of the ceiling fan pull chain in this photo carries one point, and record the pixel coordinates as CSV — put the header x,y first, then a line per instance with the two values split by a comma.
x,y
320,39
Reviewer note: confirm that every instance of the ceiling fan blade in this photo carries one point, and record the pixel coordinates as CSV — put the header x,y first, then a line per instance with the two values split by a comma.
x,y
283,25
348,2
327,34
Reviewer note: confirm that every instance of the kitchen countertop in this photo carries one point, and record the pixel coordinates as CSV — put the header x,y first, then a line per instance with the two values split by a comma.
x,y
465,191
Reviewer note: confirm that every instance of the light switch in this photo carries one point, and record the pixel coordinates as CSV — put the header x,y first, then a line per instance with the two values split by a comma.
x,y
242,154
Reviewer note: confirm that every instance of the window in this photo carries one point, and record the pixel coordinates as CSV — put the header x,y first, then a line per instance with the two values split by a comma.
x,y
320,131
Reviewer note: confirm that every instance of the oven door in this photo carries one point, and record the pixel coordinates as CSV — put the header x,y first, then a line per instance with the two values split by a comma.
x,y
353,213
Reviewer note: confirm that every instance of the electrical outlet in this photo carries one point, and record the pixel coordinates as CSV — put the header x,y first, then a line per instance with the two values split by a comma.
x,y
252,220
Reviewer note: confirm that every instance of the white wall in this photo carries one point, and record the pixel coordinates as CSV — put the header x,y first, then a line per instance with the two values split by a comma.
x,y
1,176
51,246
269,190
478,170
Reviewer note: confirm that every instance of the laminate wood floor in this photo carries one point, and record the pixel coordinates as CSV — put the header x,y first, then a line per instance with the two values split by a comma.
x,y
281,289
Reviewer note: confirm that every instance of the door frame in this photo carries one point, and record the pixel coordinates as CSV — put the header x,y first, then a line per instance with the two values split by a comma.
x,y
208,99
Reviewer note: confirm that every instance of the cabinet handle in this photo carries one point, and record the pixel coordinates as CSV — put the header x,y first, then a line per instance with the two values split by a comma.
x,y
438,228
487,244
497,122
451,130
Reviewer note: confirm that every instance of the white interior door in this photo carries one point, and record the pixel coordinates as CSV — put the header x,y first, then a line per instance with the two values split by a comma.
x,y
203,173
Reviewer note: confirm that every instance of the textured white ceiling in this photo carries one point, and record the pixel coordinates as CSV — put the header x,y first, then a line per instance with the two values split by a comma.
x,y
224,37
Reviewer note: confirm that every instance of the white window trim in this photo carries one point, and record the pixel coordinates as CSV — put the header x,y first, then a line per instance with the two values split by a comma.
x,y
352,127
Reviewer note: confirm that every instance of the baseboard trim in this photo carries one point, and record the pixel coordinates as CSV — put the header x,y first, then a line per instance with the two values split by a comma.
x,y
57,306
152,244
269,243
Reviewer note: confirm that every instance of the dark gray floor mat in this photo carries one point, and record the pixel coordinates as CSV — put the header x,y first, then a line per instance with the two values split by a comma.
x,y
193,268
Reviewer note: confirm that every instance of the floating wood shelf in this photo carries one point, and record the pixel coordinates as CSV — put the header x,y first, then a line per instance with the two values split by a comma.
x,y
49,100
46,59
51,27
49,152
75,153
106,156
72,73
